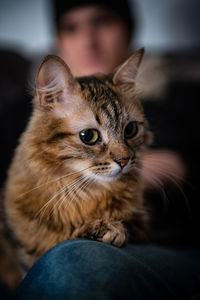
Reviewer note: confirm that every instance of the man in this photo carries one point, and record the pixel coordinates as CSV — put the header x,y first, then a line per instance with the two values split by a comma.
x,y
95,36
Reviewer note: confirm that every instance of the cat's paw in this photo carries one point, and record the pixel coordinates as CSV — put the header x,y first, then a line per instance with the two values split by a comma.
x,y
107,231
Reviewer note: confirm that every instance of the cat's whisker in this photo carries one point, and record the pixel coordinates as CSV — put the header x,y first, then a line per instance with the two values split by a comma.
x,y
159,163
156,182
70,190
159,167
44,207
70,187
170,177
76,186
81,188
173,180
74,197
165,174
53,181
89,182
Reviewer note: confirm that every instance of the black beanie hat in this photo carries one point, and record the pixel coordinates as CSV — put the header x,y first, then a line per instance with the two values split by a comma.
x,y
121,7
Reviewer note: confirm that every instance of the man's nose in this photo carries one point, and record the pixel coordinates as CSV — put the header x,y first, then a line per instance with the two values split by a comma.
x,y
122,161
88,35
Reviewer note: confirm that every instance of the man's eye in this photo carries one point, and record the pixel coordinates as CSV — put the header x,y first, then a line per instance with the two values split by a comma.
x,y
89,136
102,20
68,28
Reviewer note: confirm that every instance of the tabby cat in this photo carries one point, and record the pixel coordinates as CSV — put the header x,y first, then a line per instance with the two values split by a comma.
x,y
77,169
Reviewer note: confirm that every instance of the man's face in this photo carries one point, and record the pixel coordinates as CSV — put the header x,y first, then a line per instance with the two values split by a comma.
x,y
92,39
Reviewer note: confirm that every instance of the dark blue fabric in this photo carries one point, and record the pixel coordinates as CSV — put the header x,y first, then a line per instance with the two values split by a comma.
x,y
83,270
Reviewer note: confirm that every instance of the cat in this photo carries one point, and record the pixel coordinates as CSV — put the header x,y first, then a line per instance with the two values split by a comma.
x,y
76,172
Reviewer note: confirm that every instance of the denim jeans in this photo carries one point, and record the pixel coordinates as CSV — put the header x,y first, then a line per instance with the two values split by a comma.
x,y
88,270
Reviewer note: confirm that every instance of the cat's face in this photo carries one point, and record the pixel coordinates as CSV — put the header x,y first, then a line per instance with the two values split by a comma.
x,y
94,126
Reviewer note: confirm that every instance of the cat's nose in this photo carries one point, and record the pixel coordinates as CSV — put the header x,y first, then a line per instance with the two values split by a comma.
x,y
122,162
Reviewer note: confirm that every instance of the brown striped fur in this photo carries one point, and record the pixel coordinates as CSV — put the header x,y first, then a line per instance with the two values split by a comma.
x,y
59,188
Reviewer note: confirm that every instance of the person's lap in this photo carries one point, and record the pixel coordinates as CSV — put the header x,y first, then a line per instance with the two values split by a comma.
x,y
84,269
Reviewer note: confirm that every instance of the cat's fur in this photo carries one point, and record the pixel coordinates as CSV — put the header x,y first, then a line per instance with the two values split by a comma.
x,y
60,188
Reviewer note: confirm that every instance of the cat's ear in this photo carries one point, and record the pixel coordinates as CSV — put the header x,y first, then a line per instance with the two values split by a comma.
x,y
55,82
125,75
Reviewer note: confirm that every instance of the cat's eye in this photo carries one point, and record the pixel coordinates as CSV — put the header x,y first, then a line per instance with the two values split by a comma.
x,y
89,136
130,130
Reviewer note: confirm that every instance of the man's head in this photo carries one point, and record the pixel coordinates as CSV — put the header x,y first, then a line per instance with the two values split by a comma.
x,y
93,36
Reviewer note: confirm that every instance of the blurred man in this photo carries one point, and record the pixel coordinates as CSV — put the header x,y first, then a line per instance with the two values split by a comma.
x,y
93,37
